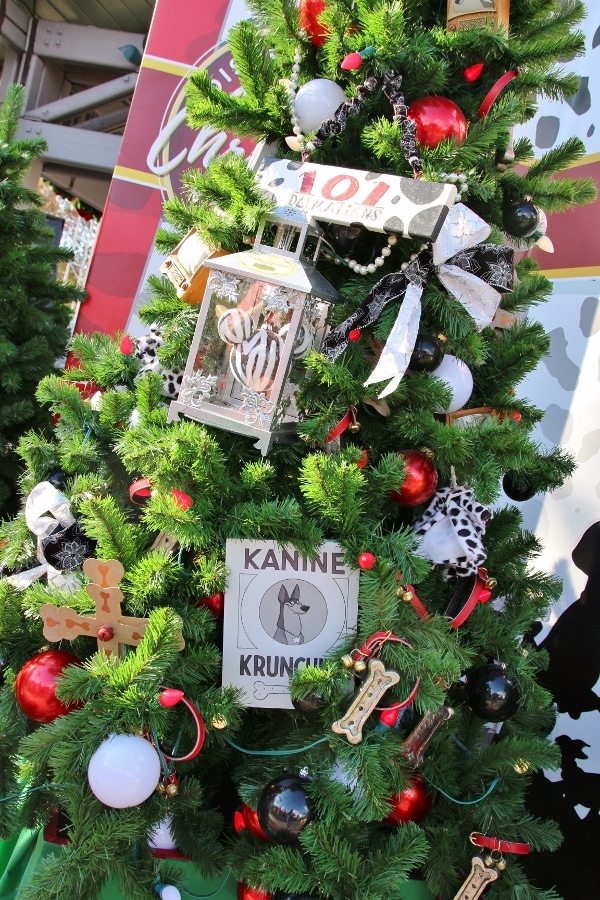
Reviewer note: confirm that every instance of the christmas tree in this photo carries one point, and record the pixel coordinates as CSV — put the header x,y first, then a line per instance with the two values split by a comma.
x,y
389,191
35,307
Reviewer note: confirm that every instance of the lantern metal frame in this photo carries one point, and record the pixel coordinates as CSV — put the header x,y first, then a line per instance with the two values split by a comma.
x,y
277,289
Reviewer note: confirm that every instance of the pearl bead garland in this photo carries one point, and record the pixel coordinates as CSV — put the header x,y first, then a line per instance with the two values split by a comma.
x,y
371,267
459,179
298,142
413,256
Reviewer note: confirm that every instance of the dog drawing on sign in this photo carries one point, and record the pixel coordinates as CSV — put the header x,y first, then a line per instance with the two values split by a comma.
x,y
289,621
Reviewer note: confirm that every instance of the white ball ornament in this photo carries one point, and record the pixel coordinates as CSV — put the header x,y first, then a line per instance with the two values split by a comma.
x,y
457,376
124,771
316,101
161,837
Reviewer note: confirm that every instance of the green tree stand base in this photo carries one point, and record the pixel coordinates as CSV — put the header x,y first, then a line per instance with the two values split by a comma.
x,y
20,856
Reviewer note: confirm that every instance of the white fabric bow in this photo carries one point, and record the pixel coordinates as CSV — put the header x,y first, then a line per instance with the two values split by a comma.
x,y
461,231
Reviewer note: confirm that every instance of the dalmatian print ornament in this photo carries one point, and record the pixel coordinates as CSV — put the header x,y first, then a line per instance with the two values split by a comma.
x,y
147,350
451,530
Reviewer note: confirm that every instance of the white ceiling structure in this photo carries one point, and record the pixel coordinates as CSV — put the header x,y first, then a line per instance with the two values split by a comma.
x,y
78,62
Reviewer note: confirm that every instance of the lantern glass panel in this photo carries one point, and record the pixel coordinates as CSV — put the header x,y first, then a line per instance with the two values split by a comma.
x,y
240,361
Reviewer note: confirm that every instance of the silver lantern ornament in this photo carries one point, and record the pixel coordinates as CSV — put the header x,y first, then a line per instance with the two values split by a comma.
x,y
263,309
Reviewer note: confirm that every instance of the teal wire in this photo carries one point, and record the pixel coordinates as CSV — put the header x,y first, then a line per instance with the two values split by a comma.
x,y
213,893
27,791
275,752
494,784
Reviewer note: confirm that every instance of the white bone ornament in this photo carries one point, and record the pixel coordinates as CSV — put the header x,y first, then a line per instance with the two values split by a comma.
x,y
373,688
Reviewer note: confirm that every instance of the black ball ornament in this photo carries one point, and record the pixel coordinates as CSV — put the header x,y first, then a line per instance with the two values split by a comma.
x,y
352,241
518,487
520,219
427,354
492,694
284,809
58,479
310,705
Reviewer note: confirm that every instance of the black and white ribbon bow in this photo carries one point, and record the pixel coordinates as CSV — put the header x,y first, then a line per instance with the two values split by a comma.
x,y
451,530
476,274
61,545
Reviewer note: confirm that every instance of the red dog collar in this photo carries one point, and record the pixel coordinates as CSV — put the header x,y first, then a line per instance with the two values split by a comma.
x,y
478,589
494,843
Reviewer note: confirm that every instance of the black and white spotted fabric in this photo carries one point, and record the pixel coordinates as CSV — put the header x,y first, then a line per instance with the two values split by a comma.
x,y
451,531
147,350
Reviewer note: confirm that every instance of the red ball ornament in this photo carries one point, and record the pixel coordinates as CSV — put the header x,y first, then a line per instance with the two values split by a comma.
x,y
215,603
366,560
35,686
354,334
516,415
437,119
245,892
410,805
310,10
420,481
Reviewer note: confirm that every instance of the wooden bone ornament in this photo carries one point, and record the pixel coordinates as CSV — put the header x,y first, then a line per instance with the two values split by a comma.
x,y
378,680
484,871
113,630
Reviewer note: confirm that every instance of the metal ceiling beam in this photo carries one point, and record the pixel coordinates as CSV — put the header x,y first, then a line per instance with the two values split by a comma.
x,y
106,122
75,147
15,26
85,100
85,45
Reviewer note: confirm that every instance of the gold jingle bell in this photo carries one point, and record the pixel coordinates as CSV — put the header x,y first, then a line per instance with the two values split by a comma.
x,y
160,787
172,790
354,427
360,666
219,722
347,661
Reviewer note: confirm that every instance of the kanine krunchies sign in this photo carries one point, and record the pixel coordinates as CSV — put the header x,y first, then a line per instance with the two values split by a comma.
x,y
157,147
283,610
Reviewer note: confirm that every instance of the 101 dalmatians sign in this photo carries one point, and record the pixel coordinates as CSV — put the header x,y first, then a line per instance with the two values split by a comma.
x,y
282,611
409,207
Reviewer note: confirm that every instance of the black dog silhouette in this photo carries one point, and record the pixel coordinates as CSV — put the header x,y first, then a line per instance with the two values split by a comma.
x,y
573,869
574,642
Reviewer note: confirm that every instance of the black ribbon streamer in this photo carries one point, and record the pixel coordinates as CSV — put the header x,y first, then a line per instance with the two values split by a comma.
x,y
485,261
391,84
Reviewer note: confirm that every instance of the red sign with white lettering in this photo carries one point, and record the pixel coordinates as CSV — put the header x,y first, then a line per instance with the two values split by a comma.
x,y
157,147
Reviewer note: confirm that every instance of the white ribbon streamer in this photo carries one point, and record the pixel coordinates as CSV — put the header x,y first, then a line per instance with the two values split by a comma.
x,y
462,230
43,499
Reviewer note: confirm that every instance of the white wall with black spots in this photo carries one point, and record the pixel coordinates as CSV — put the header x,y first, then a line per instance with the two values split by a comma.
x,y
567,386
